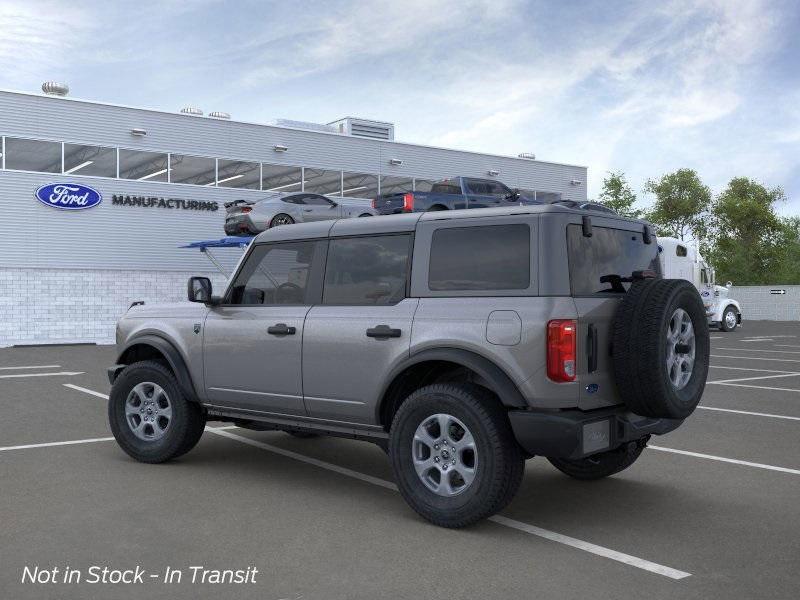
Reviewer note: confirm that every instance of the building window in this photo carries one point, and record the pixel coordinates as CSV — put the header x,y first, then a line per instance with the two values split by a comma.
x,y
143,166
98,161
500,258
196,170
33,155
238,174
367,270
396,185
280,178
325,182
359,185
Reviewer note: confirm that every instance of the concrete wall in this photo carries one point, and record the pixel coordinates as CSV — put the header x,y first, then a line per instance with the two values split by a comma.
x,y
759,304
40,306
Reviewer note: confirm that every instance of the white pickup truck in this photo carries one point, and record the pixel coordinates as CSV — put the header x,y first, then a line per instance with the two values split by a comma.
x,y
679,260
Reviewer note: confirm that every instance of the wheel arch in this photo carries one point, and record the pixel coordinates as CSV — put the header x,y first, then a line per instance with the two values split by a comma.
x,y
155,347
436,364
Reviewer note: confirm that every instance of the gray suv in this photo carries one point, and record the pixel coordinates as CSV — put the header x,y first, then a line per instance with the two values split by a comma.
x,y
462,342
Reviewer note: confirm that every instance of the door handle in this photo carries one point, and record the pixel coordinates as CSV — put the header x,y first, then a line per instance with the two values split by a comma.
x,y
383,331
281,329
308,209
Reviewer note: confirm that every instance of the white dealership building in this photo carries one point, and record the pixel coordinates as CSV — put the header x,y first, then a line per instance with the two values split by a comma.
x,y
161,180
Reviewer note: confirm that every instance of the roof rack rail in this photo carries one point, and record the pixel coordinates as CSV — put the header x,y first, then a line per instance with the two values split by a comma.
x,y
585,206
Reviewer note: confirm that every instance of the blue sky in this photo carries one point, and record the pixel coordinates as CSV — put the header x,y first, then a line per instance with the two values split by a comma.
x,y
642,87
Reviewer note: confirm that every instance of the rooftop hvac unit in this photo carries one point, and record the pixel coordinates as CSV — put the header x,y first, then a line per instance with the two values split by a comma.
x,y
215,114
192,110
527,155
53,88
376,130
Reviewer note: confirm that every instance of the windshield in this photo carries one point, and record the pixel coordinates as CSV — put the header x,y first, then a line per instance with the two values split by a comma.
x,y
608,252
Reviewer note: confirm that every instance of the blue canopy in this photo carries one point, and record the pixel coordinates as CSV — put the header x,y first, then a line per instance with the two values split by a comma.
x,y
226,242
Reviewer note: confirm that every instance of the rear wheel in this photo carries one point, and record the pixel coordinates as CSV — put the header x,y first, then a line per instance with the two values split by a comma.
x,y
281,219
150,417
729,319
601,465
454,455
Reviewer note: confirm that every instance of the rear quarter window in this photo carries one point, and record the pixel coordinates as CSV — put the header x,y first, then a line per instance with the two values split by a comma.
x,y
489,257
607,252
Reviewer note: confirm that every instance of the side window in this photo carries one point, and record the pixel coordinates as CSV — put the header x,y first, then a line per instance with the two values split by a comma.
x,y
498,189
490,257
295,199
274,274
477,187
367,270
680,250
441,187
315,200
703,276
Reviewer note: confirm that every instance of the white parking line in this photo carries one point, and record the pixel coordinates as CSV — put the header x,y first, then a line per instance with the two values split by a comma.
x,y
50,444
500,520
18,375
760,387
31,367
755,358
85,390
757,340
747,412
747,378
750,369
787,346
760,350
727,460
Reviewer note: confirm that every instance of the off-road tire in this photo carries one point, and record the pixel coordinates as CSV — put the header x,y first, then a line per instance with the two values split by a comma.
x,y
184,430
600,465
723,324
500,465
639,348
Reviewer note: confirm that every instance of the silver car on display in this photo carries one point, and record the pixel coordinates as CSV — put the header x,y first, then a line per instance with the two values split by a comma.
x,y
246,217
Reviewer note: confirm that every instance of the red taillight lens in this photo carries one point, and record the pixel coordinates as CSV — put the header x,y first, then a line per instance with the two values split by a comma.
x,y
561,350
374,202
246,209
408,202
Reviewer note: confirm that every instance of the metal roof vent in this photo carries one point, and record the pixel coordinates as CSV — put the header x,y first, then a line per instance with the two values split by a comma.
x,y
375,130
192,110
53,88
303,125
527,155
219,115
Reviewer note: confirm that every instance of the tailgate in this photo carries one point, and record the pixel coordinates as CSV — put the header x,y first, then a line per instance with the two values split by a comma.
x,y
389,203
595,369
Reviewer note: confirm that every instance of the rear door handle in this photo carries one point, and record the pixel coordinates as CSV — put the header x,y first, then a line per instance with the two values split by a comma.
x,y
383,331
281,329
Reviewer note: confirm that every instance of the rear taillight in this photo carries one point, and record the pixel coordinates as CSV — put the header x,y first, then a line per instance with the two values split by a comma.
x,y
374,202
408,202
561,350
246,209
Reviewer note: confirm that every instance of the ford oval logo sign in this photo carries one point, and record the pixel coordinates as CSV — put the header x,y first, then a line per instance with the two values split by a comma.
x,y
68,196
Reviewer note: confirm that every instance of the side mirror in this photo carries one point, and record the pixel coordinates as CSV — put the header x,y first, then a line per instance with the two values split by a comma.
x,y
199,289
334,204
729,284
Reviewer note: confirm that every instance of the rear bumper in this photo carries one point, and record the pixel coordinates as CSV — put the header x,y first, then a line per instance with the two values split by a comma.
x,y
575,434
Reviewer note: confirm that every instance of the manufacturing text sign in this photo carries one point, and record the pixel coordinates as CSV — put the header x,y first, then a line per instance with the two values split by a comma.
x,y
68,196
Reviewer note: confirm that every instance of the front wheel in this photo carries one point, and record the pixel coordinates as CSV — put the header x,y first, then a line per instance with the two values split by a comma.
x,y
455,458
729,319
149,416
601,465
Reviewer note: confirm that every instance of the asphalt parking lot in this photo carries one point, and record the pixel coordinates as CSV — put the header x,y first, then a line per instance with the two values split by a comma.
x,y
709,511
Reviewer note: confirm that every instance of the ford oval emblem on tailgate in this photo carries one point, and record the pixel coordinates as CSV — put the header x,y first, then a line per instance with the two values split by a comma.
x,y
68,196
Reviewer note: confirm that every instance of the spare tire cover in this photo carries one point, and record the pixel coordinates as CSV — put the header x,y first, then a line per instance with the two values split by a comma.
x,y
660,348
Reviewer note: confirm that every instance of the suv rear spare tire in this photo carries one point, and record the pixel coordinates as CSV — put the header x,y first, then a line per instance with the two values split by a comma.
x,y
660,348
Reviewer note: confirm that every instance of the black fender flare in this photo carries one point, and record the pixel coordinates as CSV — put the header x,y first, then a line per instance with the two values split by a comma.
x,y
499,381
170,352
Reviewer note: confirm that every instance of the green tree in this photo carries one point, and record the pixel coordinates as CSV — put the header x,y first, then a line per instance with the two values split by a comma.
x,y
618,195
751,244
681,205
